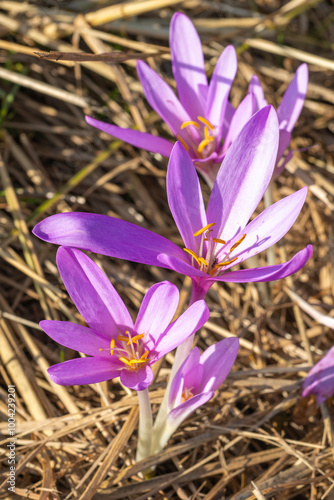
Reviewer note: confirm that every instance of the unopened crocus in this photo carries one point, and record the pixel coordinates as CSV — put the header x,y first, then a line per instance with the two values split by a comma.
x,y
194,385
116,346
215,240
320,379
202,118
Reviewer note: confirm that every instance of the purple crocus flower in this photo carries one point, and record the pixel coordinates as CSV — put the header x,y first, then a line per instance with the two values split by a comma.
x,y
214,240
194,384
117,347
199,376
288,111
320,379
202,114
203,118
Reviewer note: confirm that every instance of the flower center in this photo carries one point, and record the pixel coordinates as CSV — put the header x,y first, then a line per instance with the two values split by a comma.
x,y
186,394
207,143
130,350
206,259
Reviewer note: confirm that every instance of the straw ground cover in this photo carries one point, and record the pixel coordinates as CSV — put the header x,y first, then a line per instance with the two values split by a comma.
x,y
257,438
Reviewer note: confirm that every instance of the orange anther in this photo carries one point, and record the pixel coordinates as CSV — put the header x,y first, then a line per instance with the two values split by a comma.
x,y
206,122
188,123
179,138
200,231
237,243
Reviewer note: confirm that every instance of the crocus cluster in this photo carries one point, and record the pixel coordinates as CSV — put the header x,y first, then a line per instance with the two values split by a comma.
x,y
203,119
238,152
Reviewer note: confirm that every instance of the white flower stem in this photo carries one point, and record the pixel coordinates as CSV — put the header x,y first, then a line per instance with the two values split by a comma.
x,y
160,428
145,426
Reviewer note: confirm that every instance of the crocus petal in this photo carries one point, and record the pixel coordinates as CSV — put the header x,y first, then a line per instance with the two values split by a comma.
x,y
242,115
268,227
107,236
157,309
188,65
220,85
185,196
227,119
293,100
92,293
244,174
320,380
217,361
137,380
83,371
77,337
188,323
176,387
268,273
162,99
256,88
284,140
139,139
184,410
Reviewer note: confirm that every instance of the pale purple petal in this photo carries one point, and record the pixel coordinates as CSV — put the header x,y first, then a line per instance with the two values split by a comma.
x,y
244,175
184,410
217,361
293,100
137,380
107,236
220,85
157,309
188,65
227,119
320,380
83,371
77,337
242,115
256,88
92,293
183,327
268,273
185,196
163,100
177,385
139,139
193,378
267,228
284,140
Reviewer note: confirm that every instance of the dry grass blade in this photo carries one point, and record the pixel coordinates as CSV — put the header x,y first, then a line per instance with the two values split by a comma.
x,y
59,60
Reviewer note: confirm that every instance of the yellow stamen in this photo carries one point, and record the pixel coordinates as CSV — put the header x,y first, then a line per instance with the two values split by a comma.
x,y
206,122
100,349
121,338
218,240
207,134
203,143
226,263
135,361
200,231
112,346
193,255
179,138
237,243
135,339
203,261
144,356
124,360
188,123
